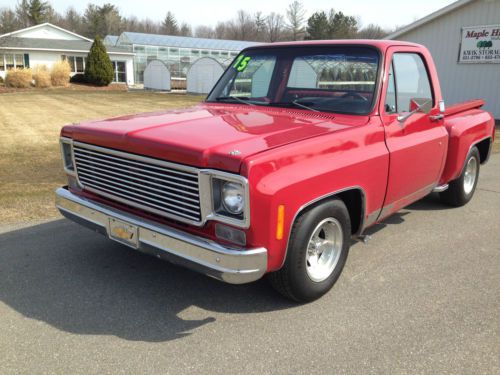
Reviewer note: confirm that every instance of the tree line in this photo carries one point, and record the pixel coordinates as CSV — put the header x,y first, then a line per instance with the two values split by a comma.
x,y
102,20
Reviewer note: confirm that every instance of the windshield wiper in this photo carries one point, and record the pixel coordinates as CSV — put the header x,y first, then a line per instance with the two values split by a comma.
x,y
236,98
296,103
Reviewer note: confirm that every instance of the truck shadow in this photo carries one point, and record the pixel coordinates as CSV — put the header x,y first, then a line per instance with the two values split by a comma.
x,y
80,282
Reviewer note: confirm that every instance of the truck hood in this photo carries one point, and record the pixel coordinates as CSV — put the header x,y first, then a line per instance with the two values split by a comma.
x,y
210,135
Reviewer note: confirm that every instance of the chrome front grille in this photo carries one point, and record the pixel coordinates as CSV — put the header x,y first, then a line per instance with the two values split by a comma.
x,y
153,185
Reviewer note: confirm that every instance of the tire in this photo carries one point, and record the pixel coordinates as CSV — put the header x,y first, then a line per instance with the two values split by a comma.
x,y
462,189
317,252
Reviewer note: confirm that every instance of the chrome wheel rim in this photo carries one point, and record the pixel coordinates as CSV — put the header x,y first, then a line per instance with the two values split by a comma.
x,y
323,249
470,175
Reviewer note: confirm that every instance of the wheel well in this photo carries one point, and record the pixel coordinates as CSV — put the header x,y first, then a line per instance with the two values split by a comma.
x,y
484,149
354,202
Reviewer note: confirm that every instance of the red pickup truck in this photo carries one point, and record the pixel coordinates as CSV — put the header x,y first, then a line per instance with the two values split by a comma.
x,y
298,148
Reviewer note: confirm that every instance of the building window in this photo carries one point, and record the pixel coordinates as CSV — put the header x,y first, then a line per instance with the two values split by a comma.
x,y
76,63
120,71
19,61
14,61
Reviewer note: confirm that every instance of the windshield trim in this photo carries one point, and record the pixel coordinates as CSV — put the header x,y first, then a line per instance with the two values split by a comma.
x,y
378,75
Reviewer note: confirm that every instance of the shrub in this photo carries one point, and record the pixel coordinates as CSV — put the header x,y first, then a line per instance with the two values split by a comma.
x,y
78,78
60,73
19,78
41,76
98,69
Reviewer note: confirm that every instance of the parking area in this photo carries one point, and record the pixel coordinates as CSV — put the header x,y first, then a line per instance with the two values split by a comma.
x,y
421,297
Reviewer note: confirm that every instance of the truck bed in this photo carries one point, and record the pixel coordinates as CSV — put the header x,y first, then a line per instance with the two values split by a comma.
x,y
463,106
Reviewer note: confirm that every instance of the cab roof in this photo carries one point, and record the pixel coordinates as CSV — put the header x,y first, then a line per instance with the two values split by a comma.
x,y
380,44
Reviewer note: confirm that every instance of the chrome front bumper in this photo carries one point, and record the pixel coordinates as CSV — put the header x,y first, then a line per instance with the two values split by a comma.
x,y
230,264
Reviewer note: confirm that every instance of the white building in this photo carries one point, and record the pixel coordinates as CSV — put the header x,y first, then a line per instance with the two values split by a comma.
x,y
464,39
46,44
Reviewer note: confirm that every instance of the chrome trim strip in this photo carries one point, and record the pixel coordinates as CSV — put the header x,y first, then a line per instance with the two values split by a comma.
x,y
231,264
68,141
206,178
304,206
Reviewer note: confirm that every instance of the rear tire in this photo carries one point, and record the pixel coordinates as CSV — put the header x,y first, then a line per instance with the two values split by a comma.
x,y
462,189
317,252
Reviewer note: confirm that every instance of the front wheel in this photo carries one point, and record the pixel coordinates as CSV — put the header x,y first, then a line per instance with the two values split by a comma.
x,y
462,189
317,251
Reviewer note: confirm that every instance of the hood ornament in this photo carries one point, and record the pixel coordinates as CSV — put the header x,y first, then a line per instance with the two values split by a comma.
x,y
234,152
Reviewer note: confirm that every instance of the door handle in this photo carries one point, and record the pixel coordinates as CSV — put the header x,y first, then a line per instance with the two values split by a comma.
x,y
436,117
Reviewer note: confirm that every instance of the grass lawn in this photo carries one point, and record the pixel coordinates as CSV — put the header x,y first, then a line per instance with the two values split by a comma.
x,y
30,165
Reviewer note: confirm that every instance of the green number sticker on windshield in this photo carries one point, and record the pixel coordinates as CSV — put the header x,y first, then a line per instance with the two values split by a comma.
x,y
241,63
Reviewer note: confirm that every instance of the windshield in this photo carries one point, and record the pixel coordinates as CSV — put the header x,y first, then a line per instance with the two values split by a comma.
x,y
331,78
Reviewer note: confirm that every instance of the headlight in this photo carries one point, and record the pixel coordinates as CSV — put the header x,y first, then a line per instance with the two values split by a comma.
x,y
233,197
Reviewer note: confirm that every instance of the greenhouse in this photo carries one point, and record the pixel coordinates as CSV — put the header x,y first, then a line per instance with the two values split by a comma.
x,y
177,52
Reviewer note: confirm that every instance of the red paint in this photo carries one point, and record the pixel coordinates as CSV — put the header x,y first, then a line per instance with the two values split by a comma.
x,y
292,156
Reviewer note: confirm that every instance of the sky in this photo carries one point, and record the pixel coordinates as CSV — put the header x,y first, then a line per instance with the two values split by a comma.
x,y
386,13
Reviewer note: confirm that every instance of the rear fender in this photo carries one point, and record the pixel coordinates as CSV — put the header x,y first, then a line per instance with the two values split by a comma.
x,y
465,130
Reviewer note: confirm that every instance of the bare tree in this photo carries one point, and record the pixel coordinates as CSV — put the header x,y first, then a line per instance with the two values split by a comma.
x,y
8,21
295,15
203,31
242,27
274,23
220,31
372,31
260,26
73,21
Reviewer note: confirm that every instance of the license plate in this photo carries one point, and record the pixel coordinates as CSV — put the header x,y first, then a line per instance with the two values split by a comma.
x,y
123,232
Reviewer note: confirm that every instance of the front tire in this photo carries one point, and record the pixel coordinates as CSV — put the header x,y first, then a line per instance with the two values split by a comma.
x,y
317,252
462,189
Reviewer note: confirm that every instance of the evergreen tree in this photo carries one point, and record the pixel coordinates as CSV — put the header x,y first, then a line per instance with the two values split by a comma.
x,y
342,26
169,25
98,69
317,26
334,25
33,12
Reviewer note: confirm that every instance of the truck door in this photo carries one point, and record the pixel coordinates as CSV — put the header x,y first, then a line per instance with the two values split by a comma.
x,y
417,146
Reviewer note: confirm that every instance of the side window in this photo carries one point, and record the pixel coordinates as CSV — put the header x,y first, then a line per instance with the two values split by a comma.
x,y
390,98
412,80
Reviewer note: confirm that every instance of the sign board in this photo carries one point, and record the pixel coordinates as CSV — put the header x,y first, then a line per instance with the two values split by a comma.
x,y
480,44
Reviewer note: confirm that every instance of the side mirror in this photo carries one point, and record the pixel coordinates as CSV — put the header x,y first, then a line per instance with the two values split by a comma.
x,y
417,105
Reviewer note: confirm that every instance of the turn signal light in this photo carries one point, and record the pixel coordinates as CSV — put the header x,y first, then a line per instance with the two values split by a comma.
x,y
280,222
